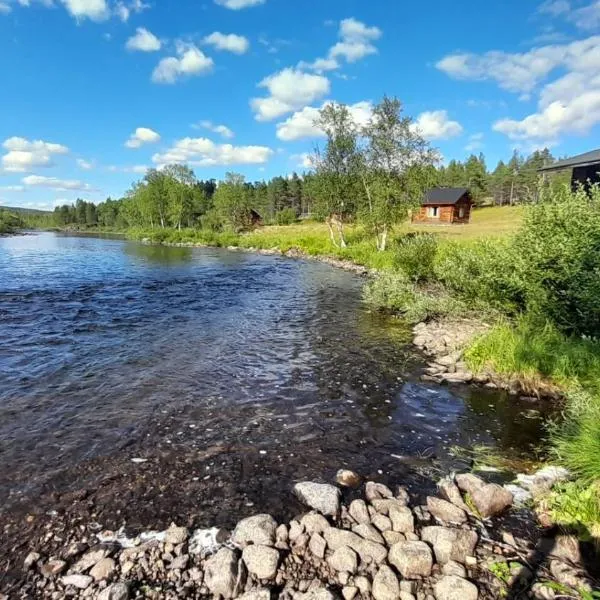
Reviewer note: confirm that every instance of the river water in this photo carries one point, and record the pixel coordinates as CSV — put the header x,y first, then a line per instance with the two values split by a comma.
x,y
112,350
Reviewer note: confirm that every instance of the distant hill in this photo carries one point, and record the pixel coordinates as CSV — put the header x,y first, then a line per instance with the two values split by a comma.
x,y
24,211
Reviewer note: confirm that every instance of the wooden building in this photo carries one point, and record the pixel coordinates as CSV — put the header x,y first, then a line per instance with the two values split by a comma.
x,y
445,206
586,168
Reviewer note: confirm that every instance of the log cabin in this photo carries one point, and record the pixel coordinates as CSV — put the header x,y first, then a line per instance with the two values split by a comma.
x,y
586,168
445,206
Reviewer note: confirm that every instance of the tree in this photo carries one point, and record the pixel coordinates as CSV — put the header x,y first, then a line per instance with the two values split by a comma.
x,y
477,177
179,183
396,169
232,202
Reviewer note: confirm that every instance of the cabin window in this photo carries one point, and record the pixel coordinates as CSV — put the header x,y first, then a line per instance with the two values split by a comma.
x,y
433,212
461,212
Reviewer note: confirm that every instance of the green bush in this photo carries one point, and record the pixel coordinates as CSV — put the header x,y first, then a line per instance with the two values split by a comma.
x,y
287,216
414,254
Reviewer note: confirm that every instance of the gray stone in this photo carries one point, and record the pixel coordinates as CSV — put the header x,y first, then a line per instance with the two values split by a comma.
x,y
224,574
259,529
103,569
450,544
349,592
323,497
295,530
88,560
347,478
30,560
81,582
257,594
393,537
317,545
180,562
382,522
315,594
176,535
451,587
403,520
446,511
343,559
385,505
368,532
261,561
458,377
402,495
468,483
367,550
363,585
569,576
491,500
385,584
376,491
281,534
450,492
116,591
314,523
359,512
406,595
412,559
454,568
53,567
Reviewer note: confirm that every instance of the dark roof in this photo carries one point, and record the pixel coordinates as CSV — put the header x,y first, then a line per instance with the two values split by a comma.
x,y
444,195
581,160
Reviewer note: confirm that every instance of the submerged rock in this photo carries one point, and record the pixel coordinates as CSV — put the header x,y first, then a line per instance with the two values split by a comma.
x,y
348,478
322,497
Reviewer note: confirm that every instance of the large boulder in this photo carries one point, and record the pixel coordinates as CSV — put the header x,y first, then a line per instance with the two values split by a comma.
x,y
261,561
446,511
323,497
491,500
412,559
344,560
366,549
385,584
450,544
225,574
449,491
468,483
259,529
451,587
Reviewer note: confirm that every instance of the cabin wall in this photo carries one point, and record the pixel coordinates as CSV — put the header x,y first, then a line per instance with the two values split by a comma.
x,y
585,175
464,207
446,215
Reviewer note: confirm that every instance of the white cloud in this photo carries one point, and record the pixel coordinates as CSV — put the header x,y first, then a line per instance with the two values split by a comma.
x,y
435,125
302,124
289,89
320,65
203,152
554,7
4,8
222,130
139,169
231,42
141,136
123,11
12,188
144,41
239,4
587,17
190,60
54,183
475,142
24,154
303,161
84,164
95,10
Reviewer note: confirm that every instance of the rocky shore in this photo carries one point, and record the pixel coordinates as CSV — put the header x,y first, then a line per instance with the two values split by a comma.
x,y
459,545
444,343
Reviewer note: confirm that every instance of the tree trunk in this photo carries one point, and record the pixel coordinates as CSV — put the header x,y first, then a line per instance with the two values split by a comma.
x,y
341,232
331,235
382,244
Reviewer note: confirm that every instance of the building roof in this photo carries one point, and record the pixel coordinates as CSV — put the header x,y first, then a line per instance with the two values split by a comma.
x,y
444,195
581,160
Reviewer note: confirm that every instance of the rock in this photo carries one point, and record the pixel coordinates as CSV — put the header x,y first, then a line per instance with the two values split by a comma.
x,y
281,534
367,550
30,560
539,591
385,584
347,478
403,520
176,535
402,495
446,511
491,500
412,559
565,547
363,585
180,562
315,594
323,497
259,529
382,522
406,596
450,492
368,532
349,592
393,537
468,483
317,545
451,587
458,377
224,574
53,567
359,512
385,505
314,523
257,594
89,559
116,591
376,491
296,530
343,559
261,561
568,576
103,569
81,582
450,544
521,496
454,568
300,544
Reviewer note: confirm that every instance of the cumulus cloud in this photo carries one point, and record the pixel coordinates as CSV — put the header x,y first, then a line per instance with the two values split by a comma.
x,y
303,161
95,10
144,41
54,183
435,125
302,124
475,142
84,164
123,11
239,4
203,152
289,90
138,169
24,154
4,8
190,61
231,42
141,136
554,7
222,130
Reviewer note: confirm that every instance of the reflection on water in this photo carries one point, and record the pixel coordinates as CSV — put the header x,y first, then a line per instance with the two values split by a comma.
x,y
101,337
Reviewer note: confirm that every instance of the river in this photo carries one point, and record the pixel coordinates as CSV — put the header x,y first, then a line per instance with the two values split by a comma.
x,y
221,373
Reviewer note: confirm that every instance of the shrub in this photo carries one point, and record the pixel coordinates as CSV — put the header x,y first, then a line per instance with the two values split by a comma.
x,y
287,216
414,254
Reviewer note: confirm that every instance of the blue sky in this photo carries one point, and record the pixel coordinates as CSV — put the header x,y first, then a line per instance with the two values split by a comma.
x,y
95,91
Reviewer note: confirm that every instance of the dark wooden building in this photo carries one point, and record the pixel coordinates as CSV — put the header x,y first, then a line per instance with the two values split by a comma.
x,y
586,168
445,206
